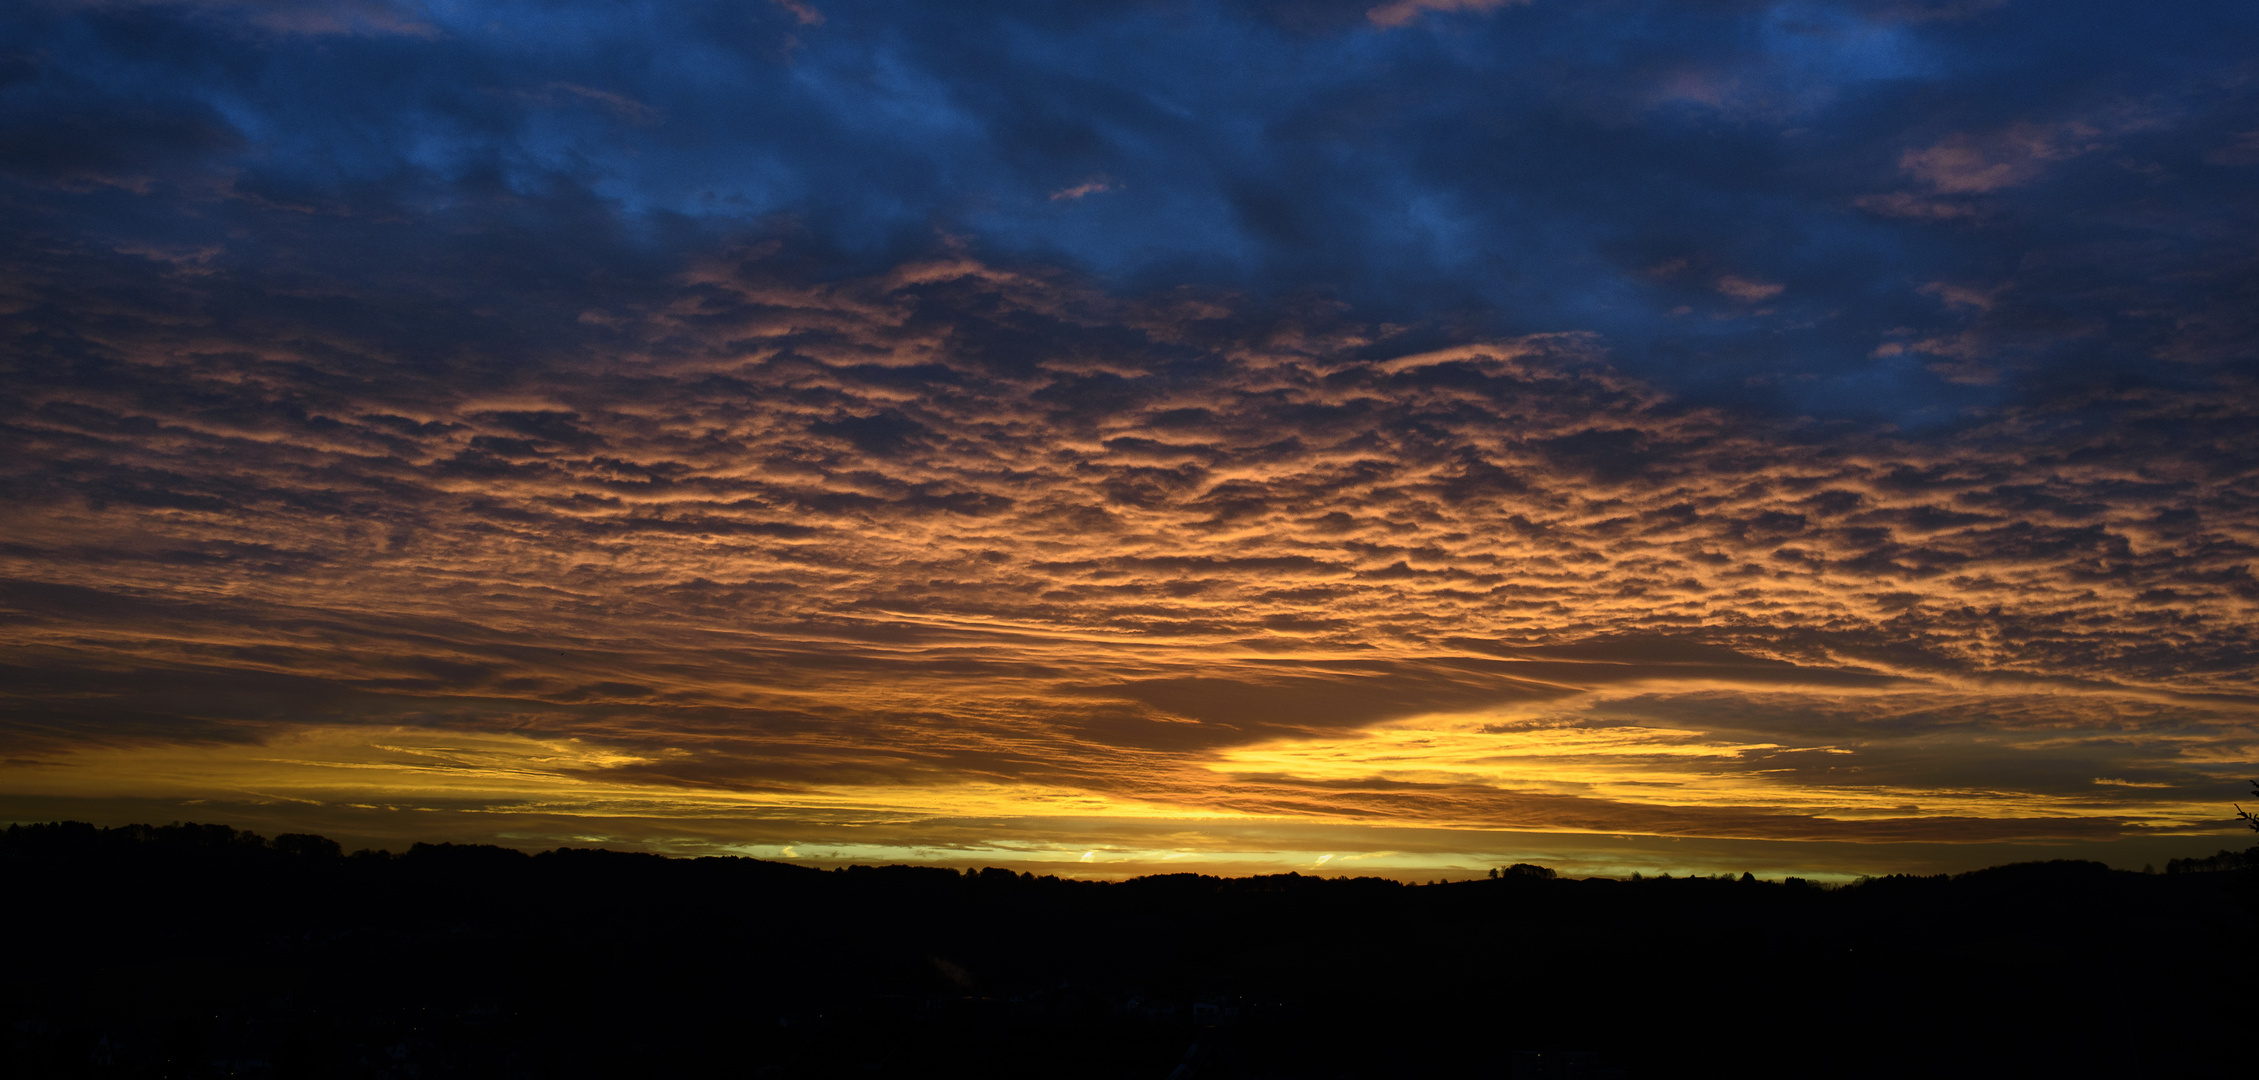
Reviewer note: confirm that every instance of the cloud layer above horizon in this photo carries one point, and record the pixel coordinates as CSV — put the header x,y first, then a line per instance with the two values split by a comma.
x,y
1797,422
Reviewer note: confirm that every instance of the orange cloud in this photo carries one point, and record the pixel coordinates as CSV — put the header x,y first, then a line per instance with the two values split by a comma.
x,y
1092,186
936,545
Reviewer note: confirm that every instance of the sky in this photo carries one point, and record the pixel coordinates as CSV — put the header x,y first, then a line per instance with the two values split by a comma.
x,y
1101,439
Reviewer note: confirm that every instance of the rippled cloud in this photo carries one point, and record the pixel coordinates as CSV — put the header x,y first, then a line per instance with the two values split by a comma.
x,y
954,458
953,536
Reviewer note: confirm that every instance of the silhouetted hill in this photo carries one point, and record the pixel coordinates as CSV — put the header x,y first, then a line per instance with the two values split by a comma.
x,y
197,950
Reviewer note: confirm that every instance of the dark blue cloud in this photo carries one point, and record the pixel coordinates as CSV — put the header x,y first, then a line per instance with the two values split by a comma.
x,y
1863,208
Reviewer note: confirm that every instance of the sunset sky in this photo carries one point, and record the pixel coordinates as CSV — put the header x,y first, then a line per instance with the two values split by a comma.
x,y
1103,438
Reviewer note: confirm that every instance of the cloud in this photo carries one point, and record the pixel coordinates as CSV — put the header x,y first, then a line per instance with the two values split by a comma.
x,y
930,535
2019,153
1747,290
1093,186
1421,428
1405,12
804,14
1963,164
1341,165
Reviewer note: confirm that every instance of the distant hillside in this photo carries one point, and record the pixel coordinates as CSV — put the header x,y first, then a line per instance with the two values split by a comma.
x,y
198,950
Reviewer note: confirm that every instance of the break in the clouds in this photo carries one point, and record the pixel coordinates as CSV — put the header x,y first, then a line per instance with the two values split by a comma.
x,y
916,430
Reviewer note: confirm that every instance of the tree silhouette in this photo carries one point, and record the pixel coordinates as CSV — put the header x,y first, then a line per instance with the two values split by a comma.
x,y
154,944
2248,817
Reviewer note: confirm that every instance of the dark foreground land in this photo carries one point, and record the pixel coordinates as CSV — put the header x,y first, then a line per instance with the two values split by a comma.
x,y
194,951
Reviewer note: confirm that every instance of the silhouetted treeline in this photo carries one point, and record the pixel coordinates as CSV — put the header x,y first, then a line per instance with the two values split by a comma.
x,y
197,950
2247,859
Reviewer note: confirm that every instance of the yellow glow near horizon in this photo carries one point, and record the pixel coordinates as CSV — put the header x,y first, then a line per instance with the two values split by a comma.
x,y
362,767
1587,755
1468,761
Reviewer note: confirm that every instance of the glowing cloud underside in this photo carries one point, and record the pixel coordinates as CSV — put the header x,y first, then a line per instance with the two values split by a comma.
x,y
908,549
1394,438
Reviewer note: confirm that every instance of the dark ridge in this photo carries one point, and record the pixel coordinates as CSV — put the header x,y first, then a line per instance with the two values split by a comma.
x,y
202,951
